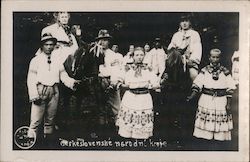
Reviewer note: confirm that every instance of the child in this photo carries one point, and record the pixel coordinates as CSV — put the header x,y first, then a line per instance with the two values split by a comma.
x,y
214,82
135,118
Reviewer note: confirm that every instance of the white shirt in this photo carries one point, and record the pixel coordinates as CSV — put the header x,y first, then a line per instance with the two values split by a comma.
x,y
190,39
40,71
156,59
112,63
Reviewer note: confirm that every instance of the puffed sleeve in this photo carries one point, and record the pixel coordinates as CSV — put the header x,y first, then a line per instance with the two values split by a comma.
x,y
64,77
153,79
172,43
118,78
32,80
196,48
198,83
117,75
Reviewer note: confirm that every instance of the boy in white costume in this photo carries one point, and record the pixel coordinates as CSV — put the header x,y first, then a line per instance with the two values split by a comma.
x,y
188,40
156,59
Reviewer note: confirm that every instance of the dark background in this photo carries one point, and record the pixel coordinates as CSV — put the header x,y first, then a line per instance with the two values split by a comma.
x,y
220,29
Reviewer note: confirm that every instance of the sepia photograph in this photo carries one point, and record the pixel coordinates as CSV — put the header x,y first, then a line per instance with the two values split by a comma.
x,y
139,81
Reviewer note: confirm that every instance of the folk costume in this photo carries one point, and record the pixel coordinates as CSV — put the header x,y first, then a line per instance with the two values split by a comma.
x,y
112,65
156,60
189,42
212,119
135,118
44,75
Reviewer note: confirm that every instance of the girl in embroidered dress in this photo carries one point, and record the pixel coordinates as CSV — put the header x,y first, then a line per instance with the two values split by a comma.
x,y
135,118
213,117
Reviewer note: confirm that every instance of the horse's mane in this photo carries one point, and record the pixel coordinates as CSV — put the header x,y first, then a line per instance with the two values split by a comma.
x,y
174,58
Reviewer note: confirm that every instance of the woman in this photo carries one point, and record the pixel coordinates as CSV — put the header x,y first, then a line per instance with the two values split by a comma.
x,y
135,118
62,32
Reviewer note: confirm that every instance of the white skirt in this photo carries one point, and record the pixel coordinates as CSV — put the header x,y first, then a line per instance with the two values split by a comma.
x,y
135,118
212,120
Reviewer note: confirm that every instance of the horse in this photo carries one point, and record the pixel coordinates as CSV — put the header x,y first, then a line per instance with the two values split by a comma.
x,y
88,99
175,86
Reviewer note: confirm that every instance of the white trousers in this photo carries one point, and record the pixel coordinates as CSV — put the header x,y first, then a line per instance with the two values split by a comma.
x,y
45,111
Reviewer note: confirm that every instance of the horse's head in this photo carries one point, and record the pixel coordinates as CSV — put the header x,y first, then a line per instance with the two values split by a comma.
x,y
176,76
174,58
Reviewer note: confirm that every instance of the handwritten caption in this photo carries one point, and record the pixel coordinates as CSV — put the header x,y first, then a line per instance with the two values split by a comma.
x,y
79,142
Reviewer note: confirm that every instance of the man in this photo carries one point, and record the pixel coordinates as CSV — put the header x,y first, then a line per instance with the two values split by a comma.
x,y
45,72
117,62
107,71
156,61
118,57
156,58
189,42
68,44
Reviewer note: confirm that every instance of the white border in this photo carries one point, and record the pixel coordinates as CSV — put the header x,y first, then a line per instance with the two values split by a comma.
x,y
6,153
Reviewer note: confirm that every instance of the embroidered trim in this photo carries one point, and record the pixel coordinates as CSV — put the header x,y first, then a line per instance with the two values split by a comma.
x,y
135,120
213,120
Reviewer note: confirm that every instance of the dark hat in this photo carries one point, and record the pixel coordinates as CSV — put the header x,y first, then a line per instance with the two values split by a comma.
x,y
48,36
185,18
103,34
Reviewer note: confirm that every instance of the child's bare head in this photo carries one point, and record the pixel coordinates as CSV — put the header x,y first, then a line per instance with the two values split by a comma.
x,y
214,57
